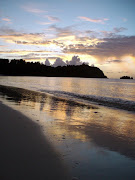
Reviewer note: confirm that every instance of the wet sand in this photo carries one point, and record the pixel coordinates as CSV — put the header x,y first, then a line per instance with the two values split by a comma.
x,y
25,153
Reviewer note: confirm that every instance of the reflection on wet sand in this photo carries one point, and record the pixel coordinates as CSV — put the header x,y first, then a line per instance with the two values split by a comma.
x,y
25,152
108,128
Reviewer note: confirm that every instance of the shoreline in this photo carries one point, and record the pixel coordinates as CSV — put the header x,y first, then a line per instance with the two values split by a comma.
x,y
25,152
90,100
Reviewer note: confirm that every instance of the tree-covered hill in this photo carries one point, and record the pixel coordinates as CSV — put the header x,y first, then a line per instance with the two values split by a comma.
x,y
22,68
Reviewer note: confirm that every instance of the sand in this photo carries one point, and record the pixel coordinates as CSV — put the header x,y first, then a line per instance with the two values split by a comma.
x,y
25,153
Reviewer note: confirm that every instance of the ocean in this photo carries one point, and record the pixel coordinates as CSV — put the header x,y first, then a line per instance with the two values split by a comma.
x,y
90,122
109,92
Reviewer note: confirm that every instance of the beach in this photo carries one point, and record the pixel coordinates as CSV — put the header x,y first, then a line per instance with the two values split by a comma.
x,y
51,134
25,153
67,90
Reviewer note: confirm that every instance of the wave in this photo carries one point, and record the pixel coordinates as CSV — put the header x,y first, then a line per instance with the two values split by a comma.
x,y
99,100
74,97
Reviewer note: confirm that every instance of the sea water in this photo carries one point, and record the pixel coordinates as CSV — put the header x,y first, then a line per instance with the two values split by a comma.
x,y
110,92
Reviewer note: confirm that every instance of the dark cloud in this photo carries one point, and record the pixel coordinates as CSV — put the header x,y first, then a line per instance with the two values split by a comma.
x,y
114,33
89,31
118,47
114,61
118,30
62,32
6,30
9,31
33,42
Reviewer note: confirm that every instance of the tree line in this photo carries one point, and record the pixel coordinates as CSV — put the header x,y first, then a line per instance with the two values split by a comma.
x,y
23,68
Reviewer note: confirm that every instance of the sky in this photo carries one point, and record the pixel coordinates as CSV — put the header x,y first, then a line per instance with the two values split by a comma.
x,y
99,32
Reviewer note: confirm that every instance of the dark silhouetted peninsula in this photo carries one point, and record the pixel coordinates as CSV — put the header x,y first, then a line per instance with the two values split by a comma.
x,y
126,77
22,68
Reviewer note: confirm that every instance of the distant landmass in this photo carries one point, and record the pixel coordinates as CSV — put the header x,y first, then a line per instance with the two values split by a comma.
x,y
126,77
22,68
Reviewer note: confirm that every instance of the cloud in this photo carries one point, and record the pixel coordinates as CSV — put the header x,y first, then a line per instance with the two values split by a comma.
x,y
114,33
34,10
51,19
59,62
68,42
119,46
62,32
108,47
7,30
20,38
75,61
26,52
31,39
125,19
101,21
115,61
118,30
12,36
43,23
47,63
40,58
6,19
28,55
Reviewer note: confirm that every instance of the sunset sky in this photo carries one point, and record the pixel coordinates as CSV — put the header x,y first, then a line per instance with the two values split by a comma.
x,y
100,32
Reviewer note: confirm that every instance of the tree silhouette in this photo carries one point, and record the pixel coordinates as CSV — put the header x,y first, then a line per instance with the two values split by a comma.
x,y
22,68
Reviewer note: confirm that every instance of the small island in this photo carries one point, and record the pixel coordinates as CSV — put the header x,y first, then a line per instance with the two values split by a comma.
x,y
126,77
23,68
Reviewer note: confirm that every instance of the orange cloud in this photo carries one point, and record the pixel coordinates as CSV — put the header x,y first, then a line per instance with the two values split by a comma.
x,y
24,52
23,38
6,19
102,21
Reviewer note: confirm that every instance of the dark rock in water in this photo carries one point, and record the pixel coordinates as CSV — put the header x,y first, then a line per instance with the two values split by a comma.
x,y
126,77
